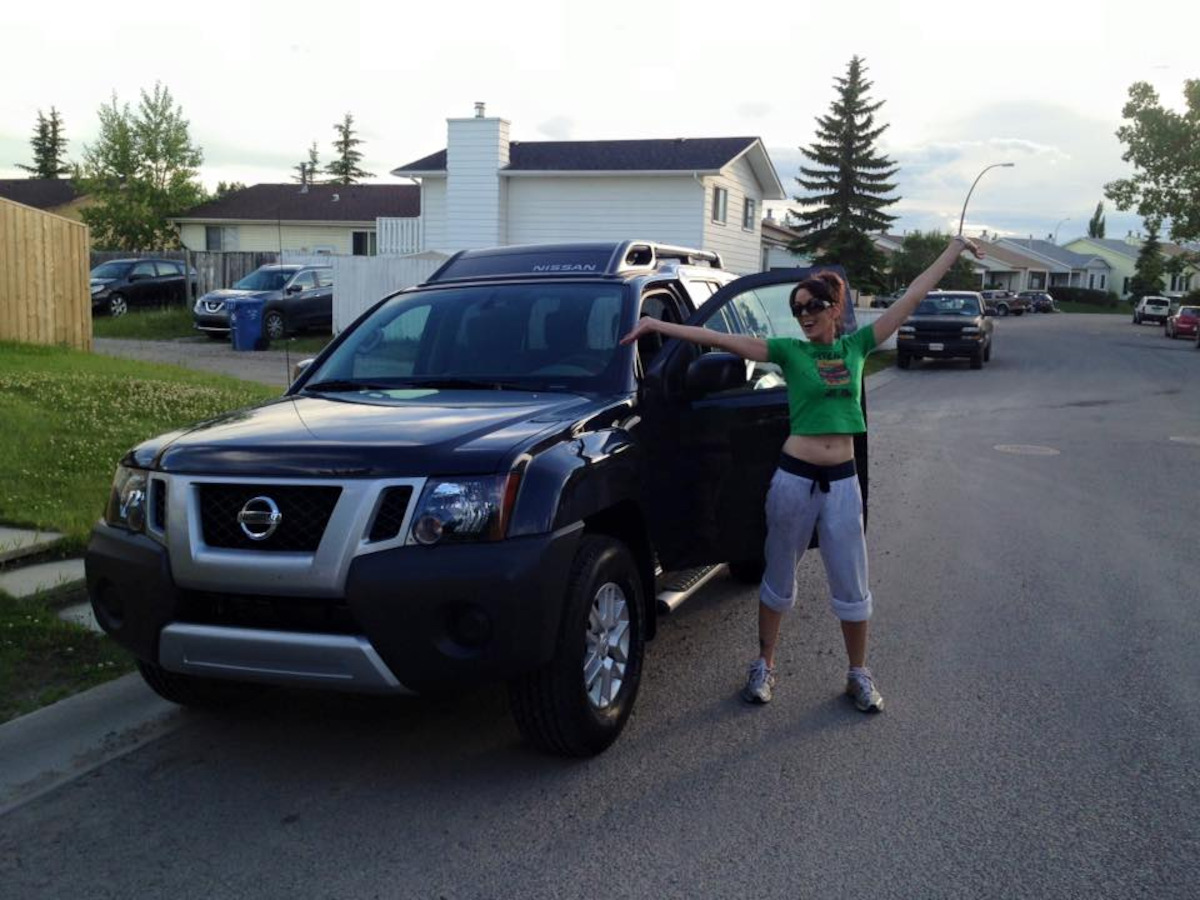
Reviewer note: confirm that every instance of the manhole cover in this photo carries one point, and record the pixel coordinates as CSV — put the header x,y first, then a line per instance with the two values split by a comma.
x,y
1026,449
1187,440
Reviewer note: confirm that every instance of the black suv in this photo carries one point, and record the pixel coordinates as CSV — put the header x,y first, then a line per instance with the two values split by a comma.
x,y
473,482
947,324
122,283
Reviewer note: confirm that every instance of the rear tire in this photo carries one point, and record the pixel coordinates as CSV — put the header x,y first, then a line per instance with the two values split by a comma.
x,y
274,327
1002,309
903,360
189,690
578,703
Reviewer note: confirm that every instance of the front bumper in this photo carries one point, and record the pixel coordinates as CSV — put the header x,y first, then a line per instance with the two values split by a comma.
x,y
942,348
215,322
408,618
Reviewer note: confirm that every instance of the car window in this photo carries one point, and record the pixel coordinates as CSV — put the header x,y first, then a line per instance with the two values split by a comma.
x,y
1189,311
144,269
167,269
111,270
324,277
263,280
306,279
948,305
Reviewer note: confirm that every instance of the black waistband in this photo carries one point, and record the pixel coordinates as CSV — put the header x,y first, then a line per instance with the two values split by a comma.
x,y
819,475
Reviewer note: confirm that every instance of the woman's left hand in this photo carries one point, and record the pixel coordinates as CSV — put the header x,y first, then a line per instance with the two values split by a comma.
x,y
969,245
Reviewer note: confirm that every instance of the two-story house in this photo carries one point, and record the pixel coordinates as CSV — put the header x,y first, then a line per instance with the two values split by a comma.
x,y
485,189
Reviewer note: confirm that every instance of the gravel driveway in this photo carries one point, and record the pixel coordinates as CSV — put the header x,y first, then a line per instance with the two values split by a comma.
x,y
267,366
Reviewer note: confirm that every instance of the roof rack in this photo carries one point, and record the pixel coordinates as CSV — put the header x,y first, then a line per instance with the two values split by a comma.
x,y
582,259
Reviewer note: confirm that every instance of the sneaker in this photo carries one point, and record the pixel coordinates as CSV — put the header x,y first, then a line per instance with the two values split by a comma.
x,y
759,682
860,687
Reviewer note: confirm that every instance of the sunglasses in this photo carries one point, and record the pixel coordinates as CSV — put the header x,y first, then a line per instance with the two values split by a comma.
x,y
812,307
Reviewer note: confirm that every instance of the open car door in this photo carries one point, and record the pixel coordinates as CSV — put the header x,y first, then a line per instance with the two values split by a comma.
x,y
714,427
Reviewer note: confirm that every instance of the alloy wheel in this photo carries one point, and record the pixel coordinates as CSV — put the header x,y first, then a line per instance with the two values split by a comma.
x,y
117,306
607,653
273,326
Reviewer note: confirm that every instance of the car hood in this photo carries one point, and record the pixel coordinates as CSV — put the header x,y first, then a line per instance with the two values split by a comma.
x,y
941,323
407,433
98,282
228,293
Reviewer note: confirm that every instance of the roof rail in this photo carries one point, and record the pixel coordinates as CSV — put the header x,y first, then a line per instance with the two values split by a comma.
x,y
648,254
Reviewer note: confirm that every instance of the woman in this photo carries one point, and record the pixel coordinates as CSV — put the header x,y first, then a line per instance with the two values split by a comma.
x,y
814,485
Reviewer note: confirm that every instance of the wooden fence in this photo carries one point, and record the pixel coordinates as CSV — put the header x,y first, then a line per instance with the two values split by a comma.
x,y
44,292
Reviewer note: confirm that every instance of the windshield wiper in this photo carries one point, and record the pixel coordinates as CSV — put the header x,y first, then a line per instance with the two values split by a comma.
x,y
346,384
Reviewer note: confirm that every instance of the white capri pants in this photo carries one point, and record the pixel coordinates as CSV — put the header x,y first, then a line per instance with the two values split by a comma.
x,y
803,495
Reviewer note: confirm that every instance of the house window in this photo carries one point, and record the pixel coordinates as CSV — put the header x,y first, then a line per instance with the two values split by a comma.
x,y
1125,286
1180,283
750,214
363,243
720,205
1102,281
218,238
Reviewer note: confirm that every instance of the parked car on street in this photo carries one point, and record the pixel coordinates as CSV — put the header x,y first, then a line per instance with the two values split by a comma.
x,y
1183,322
1151,309
477,482
120,284
1001,303
947,324
297,298
1039,301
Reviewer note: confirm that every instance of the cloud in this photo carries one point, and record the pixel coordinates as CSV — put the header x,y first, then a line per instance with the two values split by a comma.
x,y
557,128
1062,160
754,110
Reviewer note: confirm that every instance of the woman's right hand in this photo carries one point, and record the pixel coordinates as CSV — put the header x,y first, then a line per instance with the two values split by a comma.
x,y
646,325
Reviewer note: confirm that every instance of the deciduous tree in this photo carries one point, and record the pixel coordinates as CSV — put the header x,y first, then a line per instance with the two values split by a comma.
x,y
917,253
142,169
848,184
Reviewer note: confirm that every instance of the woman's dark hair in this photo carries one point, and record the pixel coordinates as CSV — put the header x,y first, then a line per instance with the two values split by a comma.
x,y
825,286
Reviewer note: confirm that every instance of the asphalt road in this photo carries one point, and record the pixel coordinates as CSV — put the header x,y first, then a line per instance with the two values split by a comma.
x,y
1035,640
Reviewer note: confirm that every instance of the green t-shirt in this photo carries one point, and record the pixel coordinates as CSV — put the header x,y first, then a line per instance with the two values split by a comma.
x,y
824,381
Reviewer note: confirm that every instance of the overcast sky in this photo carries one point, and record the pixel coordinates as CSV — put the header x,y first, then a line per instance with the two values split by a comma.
x,y
1039,84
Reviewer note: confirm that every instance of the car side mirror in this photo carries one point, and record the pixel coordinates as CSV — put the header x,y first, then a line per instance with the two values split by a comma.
x,y
298,368
293,289
714,372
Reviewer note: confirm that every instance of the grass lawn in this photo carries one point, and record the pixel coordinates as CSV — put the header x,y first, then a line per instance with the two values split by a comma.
x,y
68,418
883,359
43,659
175,322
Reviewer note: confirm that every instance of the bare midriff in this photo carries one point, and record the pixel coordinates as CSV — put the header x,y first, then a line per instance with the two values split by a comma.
x,y
820,449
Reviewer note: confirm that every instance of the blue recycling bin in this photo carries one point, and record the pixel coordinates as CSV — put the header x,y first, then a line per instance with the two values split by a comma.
x,y
245,323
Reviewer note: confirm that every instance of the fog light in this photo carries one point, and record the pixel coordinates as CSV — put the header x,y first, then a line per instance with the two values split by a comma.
x,y
470,626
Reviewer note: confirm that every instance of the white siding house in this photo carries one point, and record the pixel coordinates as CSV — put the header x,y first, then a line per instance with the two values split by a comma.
x,y
486,190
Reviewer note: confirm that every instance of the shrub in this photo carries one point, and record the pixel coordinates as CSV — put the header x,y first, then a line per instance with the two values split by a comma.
x,y
1088,296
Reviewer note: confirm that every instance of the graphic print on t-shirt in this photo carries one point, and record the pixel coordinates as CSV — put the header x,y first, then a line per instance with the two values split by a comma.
x,y
835,376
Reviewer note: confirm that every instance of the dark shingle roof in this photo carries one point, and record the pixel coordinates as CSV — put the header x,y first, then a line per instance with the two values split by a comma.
x,y
353,203
662,155
40,193
1051,250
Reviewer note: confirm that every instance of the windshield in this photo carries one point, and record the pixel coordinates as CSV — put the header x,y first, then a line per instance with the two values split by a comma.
x,y
521,336
264,280
953,305
1189,312
111,270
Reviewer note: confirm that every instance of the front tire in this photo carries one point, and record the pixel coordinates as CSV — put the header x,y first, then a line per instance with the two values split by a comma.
x,y
1002,309
977,359
274,327
578,703
903,361
748,571
189,690
117,306
987,353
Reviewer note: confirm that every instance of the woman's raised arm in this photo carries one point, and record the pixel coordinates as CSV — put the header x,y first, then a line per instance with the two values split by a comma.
x,y
743,345
885,326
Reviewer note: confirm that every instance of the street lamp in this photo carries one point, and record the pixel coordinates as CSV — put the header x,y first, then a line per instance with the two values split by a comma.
x,y
975,182
1058,226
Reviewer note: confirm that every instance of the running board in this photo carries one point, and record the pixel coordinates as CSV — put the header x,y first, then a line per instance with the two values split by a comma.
x,y
675,587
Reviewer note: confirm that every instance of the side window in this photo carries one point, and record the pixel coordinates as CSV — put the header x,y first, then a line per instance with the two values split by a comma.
x,y
306,280
143,270
324,277
659,305
168,269
699,291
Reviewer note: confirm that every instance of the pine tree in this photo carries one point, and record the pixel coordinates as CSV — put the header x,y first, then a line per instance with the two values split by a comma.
x,y
49,148
1148,270
847,185
344,169
1096,222
307,169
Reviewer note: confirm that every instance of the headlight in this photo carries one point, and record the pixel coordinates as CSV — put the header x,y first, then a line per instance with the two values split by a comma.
x,y
907,329
970,329
99,289
465,509
127,501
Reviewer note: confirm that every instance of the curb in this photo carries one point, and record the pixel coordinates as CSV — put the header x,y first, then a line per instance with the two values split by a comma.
x,y
59,743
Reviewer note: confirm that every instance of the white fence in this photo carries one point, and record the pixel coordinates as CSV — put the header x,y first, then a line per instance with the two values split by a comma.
x,y
360,281
397,236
